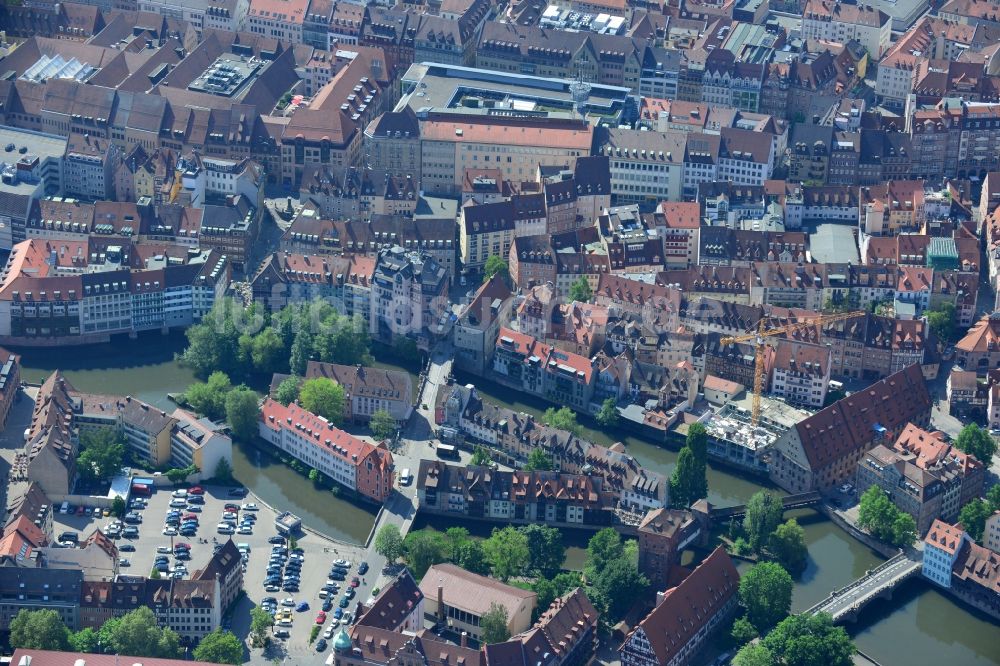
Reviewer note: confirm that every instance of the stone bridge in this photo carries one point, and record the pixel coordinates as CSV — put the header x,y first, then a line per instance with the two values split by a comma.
x,y
878,583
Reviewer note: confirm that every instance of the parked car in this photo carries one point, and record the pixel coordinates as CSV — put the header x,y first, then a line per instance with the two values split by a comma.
x,y
363,568
342,563
196,499
321,645
196,490
276,540
249,506
126,548
328,604
123,562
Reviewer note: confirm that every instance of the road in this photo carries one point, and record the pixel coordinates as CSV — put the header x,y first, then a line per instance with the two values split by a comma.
x,y
859,594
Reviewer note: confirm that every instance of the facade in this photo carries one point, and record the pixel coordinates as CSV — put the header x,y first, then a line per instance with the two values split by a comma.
x,y
837,22
942,546
409,292
10,383
801,373
368,390
685,616
478,327
663,535
559,376
349,461
460,598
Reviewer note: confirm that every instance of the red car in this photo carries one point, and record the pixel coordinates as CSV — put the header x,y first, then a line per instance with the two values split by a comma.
x,y
191,516
321,618
182,546
197,490
233,507
79,510
355,582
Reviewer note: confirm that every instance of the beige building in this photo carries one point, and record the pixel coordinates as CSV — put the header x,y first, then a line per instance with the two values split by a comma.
x,y
461,598
991,535
832,21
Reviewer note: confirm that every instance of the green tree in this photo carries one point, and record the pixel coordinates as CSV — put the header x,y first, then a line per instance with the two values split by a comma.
x,y
480,457
137,634
538,459
810,640
496,265
154,574
209,398
507,552
382,424
766,593
389,542
85,640
260,623
743,631
424,548
549,589
267,352
220,647
687,483
39,630
942,321
242,411
118,506
993,497
763,515
493,624
581,291
877,513
223,472
301,352
697,441
181,474
470,556
620,584
102,452
754,655
973,518
607,416
323,397
563,418
288,390
545,548
975,441
604,547
904,530
788,544
315,476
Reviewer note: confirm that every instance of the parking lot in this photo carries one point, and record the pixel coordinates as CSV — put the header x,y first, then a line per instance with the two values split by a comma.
x,y
318,552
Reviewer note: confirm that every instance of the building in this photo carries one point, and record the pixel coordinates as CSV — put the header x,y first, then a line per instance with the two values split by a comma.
x,y
663,535
830,21
823,451
30,170
398,607
368,390
227,15
347,460
562,377
51,445
979,350
35,588
910,488
281,20
478,327
408,297
10,383
226,567
460,598
801,373
991,533
685,616
942,546
30,657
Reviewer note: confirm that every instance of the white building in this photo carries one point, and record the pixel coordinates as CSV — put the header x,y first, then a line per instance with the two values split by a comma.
x,y
832,21
941,548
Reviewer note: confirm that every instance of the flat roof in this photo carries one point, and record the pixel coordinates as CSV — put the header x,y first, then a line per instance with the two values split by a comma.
x,y
834,244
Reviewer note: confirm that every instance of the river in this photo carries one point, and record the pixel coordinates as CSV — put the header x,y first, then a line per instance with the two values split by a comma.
x,y
920,626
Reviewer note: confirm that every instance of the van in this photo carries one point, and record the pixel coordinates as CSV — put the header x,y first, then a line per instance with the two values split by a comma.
x,y
64,509
224,528
405,478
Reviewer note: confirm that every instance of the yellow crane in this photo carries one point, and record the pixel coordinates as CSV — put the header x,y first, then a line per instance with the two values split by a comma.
x,y
759,340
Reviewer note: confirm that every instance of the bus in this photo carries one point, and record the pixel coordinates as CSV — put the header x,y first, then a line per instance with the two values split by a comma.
x,y
447,451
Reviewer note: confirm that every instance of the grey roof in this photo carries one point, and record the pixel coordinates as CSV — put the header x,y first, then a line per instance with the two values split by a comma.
x,y
835,244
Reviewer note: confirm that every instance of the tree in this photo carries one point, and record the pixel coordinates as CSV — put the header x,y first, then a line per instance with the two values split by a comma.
x,y
563,418
38,630
154,574
977,442
507,552
470,556
85,640
301,351
118,506
220,647
242,411
697,441
480,457
223,471
810,640
323,397
382,424
904,530
763,515
942,322
267,352
101,456
581,291
604,547
788,544
260,622
496,265
620,583
209,398
687,480
288,390
493,624
389,543
424,548
607,416
754,655
137,634
766,593
549,589
538,459
743,632
181,474
877,513
993,497
973,518
315,476
545,548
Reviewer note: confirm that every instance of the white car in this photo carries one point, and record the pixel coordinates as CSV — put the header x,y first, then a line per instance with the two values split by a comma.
x,y
846,488
223,528
169,531
283,623
179,493
288,601
164,549
343,563
250,506
245,530
123,562
178,503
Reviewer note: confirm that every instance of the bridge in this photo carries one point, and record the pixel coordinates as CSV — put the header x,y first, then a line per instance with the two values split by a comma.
x,y
788,502
878,583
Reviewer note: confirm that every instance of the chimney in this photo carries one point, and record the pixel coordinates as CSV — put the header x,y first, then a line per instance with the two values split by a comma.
x,y
440,601
465,639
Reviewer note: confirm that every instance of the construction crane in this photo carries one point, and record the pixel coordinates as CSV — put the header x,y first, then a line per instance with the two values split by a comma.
x,y
759,340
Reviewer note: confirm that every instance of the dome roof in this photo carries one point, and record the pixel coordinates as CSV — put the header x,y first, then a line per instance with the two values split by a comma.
x,y
342,641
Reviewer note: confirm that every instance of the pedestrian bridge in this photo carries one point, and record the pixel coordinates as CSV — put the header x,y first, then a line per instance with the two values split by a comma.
x,y
788,502
878,583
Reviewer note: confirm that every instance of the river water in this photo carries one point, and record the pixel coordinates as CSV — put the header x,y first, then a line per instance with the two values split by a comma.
x,y
919,626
